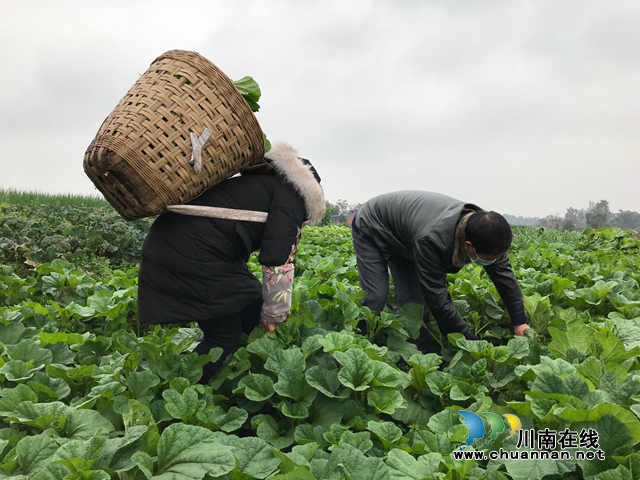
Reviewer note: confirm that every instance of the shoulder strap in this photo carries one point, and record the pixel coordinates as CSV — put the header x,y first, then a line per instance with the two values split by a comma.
x,y
218,212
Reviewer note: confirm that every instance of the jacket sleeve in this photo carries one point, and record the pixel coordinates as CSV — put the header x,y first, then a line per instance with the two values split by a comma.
x,y
435,288
502,276
277,253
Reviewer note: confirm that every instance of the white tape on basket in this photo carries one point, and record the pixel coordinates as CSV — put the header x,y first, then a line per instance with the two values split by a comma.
x,y
196,144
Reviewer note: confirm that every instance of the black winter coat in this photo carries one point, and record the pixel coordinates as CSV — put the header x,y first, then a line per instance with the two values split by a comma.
x,y
194,268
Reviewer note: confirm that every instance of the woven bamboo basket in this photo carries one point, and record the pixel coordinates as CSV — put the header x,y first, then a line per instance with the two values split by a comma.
x,y
139,159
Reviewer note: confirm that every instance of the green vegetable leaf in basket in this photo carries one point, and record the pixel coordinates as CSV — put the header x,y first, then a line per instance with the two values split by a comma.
x,y
250,90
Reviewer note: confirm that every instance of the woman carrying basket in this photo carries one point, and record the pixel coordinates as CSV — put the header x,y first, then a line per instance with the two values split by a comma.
x,y
194,269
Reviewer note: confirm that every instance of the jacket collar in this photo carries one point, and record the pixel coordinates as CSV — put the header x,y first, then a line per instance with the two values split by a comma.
x,y
459,252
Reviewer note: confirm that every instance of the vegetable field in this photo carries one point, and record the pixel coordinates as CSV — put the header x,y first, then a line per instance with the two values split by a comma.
x,y
87,393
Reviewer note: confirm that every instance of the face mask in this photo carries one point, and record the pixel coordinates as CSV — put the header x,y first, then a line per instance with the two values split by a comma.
x,y
482,262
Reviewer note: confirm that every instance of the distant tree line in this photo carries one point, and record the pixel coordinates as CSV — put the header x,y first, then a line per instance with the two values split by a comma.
x,y
598,215
339,209
517,220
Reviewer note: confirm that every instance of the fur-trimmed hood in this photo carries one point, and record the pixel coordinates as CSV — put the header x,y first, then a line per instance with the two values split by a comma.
x,y
285,161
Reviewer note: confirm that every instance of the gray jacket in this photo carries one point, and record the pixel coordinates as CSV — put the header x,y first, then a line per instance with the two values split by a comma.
x,y
423,227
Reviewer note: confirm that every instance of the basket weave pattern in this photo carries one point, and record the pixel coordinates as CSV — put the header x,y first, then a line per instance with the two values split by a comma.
x,y
139,159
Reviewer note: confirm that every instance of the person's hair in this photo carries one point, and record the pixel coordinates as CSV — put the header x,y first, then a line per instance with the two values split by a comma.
x,y
488,232
313,170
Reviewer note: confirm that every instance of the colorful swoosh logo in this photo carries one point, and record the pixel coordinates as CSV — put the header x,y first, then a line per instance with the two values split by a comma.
x,y
498,424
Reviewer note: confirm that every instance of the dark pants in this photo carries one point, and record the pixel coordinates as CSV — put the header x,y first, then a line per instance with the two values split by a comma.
x,y
225,333
373,268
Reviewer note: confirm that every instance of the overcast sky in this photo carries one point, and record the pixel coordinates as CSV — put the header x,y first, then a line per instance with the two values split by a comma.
x,y
524,107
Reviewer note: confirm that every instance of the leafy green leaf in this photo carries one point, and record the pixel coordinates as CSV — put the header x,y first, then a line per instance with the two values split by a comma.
x,y
388,432
30,351
357,369
303,454
620,473
337,342
17,370
255,457
249,88
85,424
325,381
592,415
139,383
533,469
612,433
305,434
300,473
385,399
144,462
228,421
577,338
292,384
439,382
34,452
519,347
188,451
270,432
402,466
78,454
263,347
184,365
425,441
361,440
385,375
60,337
256,387
411,315
289,359
40,415
443,421
51,471
117,453
356,465
12,397
183,406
